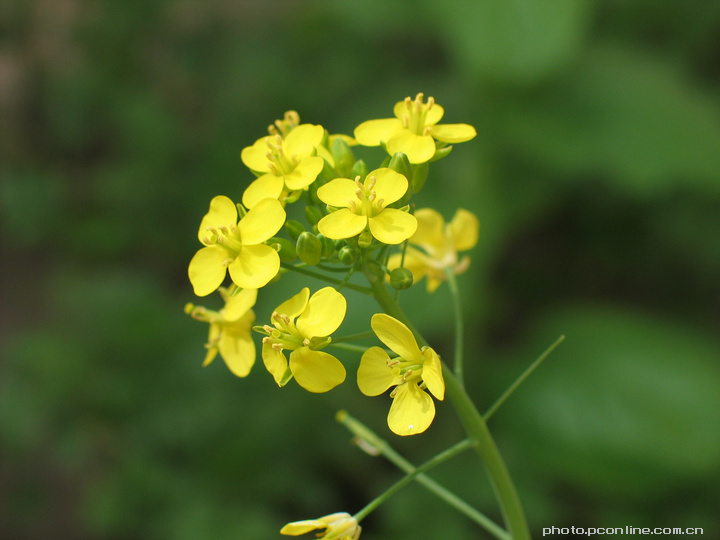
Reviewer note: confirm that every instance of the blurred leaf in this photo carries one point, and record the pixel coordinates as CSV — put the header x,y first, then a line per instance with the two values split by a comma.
x,y
633,117
627,404
515,41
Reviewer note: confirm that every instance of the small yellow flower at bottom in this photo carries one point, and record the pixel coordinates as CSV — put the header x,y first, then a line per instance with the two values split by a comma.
x,y
230,330
303,325
412,410
340,526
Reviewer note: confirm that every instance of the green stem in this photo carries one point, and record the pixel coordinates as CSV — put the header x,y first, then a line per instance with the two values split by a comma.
x,y
348,347
459,325
354,337
473,423
317,275
521,378
382,446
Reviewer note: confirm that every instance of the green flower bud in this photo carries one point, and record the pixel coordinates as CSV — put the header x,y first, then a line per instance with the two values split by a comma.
x,y
343,156
294,228
348,256
359,169
309,248
365,239
419,175
401,279
400,164
284,247
313,214
328,246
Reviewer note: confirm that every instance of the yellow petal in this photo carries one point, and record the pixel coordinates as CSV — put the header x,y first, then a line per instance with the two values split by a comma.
x,y
342,224
392,226
433,282
275,362
296,305
302,140
430,230
238,305
323,315
412,410
237,347
254,267
374,376
206,270
213,350
453,133
316,371
373,132
261,222
222,212
397,336
254,157
390,186
304,173
419,148
296,528
432,373
465,229
268,186
338,192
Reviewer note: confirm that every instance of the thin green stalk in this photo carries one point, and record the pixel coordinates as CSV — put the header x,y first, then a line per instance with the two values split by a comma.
x,y
473,423
348,347
317,275
532,367
383,447
411,475
459,326
354,337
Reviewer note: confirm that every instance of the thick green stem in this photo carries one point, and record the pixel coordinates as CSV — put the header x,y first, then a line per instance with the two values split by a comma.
x,y
472,422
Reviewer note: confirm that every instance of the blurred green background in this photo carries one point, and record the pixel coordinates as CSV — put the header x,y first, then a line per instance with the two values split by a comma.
x,y
596,177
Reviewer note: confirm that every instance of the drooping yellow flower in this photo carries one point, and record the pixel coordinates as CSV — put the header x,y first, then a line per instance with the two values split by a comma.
x,y
439,245
364,206
230,330
412,410
340,526
290,163
413,130
303,325
236,246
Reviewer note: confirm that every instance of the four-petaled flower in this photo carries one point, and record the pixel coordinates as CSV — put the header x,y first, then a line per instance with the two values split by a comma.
x,y
340,526
412,410
236,246
289,164
364,205
230,330
439,243
414,130
303,325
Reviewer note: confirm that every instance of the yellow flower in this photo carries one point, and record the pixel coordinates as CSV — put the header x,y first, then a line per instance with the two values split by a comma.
x,y
340,526
290,163
236,246
413,130
230,330
364,205
302,326
439,243
412,410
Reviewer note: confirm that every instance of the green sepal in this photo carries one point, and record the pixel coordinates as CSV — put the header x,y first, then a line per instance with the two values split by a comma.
x,y
313,214
286,378
365,239
419,176
440,153
359,169
343,156
348,256
284,247
328,245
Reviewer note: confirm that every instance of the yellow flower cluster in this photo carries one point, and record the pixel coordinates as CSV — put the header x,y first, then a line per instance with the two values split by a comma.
x,y
355,219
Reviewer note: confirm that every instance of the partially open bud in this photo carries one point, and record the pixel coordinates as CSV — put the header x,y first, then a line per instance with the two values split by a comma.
x,y
399,163
309,248
401,279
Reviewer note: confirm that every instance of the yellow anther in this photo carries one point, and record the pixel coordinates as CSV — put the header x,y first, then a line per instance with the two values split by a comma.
x,y
269,329
430,102
371,182
372,196
277,346
306,342
285,318
226,262
265,340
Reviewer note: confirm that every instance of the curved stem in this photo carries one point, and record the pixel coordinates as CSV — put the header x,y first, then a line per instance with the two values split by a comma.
x,y
473,423
459,325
